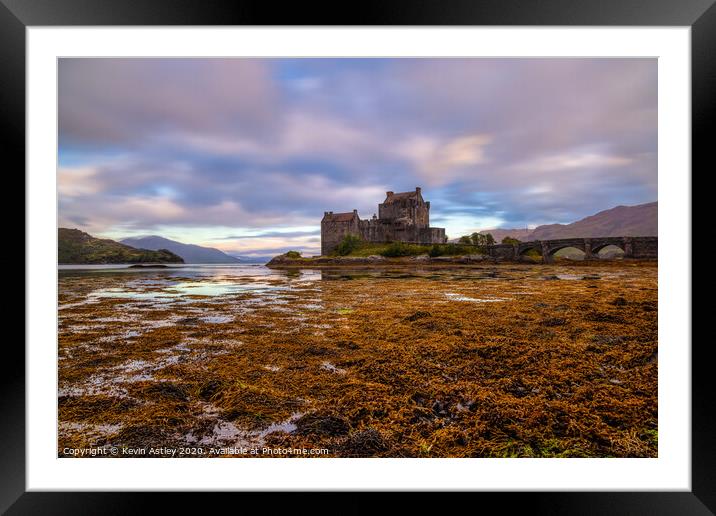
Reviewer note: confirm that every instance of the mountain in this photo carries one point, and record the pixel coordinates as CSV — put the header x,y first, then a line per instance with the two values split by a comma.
x,y
77,247
639,220
520,234
189,252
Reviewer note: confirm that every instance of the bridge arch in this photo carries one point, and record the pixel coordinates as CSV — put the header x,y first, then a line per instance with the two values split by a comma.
x,y
568,252
554,248
610,252
526,247
598,246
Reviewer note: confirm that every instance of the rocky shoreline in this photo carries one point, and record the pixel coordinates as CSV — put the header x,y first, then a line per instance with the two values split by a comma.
x,y
341,261
283,261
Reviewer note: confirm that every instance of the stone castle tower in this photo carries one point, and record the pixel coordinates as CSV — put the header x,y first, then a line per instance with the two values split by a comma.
x,y
402,217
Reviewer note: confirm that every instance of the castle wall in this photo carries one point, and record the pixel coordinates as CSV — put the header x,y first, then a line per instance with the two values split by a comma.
x,y
392,211
432,236
332,233
379,231
422,215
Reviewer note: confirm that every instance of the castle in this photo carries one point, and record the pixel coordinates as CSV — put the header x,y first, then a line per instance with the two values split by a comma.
x,y
402,217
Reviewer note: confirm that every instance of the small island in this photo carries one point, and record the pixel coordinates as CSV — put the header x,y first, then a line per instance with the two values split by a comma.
x,y
389,254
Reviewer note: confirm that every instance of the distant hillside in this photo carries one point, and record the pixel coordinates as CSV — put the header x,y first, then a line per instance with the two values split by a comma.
x,y
77,247
639,220
189,252
498,234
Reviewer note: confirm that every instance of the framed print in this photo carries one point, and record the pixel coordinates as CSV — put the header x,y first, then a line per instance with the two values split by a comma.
x,y
430,251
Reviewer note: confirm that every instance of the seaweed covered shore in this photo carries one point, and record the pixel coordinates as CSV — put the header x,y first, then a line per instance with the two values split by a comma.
x,y
470,260
490,361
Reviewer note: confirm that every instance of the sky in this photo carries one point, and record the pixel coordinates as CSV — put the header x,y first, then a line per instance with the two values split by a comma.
x,y
245,155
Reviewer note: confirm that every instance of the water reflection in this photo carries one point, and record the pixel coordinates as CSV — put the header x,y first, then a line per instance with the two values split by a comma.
x,y
188,289
184,281
227,277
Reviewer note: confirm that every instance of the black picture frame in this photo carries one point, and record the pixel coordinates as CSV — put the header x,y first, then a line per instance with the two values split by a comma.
x,y
17,15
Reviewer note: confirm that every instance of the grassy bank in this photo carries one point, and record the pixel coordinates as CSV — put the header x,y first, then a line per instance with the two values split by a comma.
x,y
356,247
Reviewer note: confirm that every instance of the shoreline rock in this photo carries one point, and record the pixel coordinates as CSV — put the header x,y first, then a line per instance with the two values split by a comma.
x,y
283,261
376,260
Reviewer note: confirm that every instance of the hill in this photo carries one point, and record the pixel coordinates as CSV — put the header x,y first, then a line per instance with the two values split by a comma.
x,y
189,252
498,234
77,247
639,220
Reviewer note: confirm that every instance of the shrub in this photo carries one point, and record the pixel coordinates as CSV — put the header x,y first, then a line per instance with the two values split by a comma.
x,y
400,249
397,249
454,250
349,244
293,254
510,240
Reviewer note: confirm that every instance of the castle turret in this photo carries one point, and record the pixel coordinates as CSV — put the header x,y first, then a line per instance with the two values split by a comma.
x,y
405,208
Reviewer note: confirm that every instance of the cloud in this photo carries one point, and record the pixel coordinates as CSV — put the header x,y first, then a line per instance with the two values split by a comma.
x,y
150,194
111,101
573,160
258,149
159,208
301,136
77,181
306,84
439,162
282,234
269,246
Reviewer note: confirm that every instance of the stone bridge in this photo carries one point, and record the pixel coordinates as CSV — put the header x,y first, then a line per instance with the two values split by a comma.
x,y
633,247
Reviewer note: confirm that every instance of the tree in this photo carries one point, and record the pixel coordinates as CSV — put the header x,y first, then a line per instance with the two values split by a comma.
x,y
481,240
465,240
510,240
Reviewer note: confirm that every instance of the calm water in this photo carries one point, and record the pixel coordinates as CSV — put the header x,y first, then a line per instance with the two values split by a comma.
x,y
258,272
184,269
181,281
